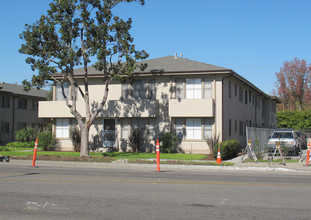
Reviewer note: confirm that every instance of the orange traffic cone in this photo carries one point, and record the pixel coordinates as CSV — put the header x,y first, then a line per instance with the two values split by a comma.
x,y
158,155
218,156
308,154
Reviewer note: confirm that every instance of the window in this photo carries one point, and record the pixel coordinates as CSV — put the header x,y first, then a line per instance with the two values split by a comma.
x,y
151,89
59,93
229,90
229,127
147,126
235,90
151,128
22,103
240,94
5,127
5,101
235,126
62,128
207,88
207,128
125,128
241,128
21,125
179,123
193,128
250,96
193,88
140,89
179,89
34,105
245,97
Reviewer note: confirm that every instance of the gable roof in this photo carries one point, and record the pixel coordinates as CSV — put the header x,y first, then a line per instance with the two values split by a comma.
x,y
176,64
19,90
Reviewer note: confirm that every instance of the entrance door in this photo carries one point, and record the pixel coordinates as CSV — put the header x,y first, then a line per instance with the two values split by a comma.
x,y
109,132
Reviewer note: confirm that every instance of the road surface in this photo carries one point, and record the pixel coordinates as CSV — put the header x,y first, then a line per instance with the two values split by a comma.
x,y
110,193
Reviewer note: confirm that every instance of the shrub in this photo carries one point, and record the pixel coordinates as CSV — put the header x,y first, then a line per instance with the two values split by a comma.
x,y
75,137
228,149
47,141
169,142
4,148
26,134
17,144
212,141
136,139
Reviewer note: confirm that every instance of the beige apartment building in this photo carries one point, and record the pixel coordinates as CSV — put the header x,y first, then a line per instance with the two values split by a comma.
x,y
192,99
18,109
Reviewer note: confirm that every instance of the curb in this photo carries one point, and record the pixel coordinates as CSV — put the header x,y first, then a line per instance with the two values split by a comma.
x,y
69,164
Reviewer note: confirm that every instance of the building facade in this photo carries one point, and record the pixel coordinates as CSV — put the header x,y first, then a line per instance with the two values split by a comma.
x,y
191,99
18,109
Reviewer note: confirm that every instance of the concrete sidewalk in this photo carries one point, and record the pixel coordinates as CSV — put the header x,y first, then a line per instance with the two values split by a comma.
x,y
263,167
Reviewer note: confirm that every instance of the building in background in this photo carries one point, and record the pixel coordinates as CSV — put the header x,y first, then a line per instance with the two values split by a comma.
x,y
18,109
191,99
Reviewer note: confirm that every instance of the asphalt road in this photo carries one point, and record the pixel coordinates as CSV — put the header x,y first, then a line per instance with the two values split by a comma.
x,y
92,193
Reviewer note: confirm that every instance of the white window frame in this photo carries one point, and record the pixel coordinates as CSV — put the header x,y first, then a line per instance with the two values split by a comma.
x,y
62,128
59,93
207,92
193,129
193,88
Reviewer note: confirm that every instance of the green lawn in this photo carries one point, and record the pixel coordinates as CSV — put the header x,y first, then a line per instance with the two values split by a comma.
x,y
115,155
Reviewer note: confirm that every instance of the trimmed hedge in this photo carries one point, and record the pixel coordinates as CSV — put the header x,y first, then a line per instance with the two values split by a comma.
x,y
228,149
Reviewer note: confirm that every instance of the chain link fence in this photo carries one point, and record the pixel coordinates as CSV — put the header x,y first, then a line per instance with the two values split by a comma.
x,y
260,136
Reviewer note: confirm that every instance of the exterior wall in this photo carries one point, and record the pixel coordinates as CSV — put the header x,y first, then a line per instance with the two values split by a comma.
x,y
165,109
14,116
255,112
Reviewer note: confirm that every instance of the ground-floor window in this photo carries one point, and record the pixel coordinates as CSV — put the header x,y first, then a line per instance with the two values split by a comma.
x,y
5,127
147,126
21,125
193,128
62,128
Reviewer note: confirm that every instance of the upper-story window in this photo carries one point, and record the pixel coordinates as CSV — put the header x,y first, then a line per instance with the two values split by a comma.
x,y
207,83
229,89
193,88
34,105
5,102
240,94
180,89
22,103
59,93
140,89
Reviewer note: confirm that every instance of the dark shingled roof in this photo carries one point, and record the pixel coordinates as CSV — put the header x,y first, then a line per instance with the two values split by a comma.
x,y
166,65
19,90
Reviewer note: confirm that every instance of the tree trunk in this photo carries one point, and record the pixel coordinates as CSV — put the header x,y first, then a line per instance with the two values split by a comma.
x,y
84,151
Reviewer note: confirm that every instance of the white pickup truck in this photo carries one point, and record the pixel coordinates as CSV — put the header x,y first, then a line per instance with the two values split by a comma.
x,y
287,138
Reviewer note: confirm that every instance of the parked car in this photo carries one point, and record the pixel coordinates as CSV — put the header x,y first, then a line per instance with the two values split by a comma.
x,y
287,138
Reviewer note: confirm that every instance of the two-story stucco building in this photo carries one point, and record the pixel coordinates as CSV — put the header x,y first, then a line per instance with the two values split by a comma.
x,y
18,109
192,99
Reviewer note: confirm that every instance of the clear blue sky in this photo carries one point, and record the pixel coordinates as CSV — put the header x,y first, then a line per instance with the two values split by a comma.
x,y
252,37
